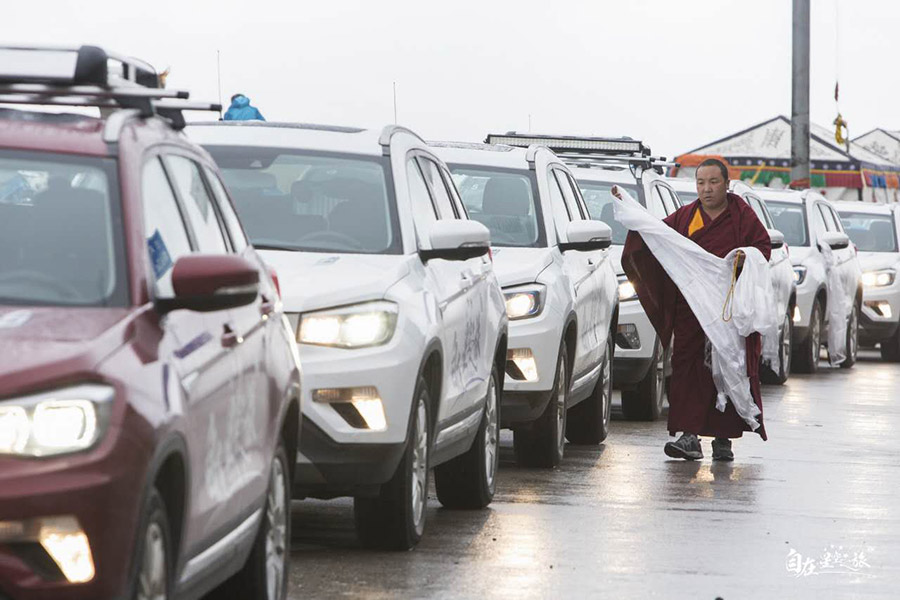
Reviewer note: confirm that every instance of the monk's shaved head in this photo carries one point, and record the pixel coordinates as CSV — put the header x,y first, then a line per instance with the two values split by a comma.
x,y
712,185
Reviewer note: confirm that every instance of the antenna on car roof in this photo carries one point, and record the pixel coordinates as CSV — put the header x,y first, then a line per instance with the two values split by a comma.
x,y
89,76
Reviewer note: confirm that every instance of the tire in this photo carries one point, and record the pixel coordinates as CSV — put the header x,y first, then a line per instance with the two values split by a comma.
x,y
645,402
543,443
890,348
395,518
469,480
154,552
806,356
265,575
588,421
852,338
783,371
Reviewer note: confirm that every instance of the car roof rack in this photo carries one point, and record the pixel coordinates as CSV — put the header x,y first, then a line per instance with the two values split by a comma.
x,y
574,145
89,76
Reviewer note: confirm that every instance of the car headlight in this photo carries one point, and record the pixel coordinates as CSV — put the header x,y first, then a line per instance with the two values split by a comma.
x,y
882,278
799,274
525,302
626,289
357,326
53,423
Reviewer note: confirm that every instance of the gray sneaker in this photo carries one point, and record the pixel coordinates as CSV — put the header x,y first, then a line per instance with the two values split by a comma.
x,y
686,447
722,449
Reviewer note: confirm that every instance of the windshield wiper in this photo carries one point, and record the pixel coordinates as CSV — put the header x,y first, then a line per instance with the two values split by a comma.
x,y
277,247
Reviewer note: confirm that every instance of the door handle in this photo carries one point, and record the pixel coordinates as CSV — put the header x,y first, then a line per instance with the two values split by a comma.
x,y
230,339
267,307
592,266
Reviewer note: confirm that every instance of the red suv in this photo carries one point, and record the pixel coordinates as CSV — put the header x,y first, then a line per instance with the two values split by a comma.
x,y
149,381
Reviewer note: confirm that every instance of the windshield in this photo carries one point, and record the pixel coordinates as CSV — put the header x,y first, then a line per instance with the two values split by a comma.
x,y
60,231
314,202
599,202
790,220
870,233
502,200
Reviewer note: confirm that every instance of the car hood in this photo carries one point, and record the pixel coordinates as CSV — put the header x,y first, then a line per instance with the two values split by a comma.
x,y
875,261
46,343
799,254
314,280
517,266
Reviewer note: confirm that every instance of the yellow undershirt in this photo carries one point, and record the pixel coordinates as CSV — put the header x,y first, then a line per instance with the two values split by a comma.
x,y
696,223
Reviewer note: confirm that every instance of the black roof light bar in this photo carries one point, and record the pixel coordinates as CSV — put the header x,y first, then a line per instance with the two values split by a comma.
x,y
570,144
88,76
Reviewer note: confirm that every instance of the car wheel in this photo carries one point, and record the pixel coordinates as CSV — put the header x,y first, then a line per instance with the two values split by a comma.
x,y
806,357
645,402
780,374
469,480
153,577
543,443
890,348
265,575
588,421
852,338
395,518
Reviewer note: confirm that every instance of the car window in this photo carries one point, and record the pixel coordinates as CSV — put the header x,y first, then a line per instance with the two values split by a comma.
x,y
233,224
454,194
441,196
834,218
312,201
167,238
822,219
757,207
199,208
600,205
790,219
419,196
61,235
669,202
656,207
870,233
503,200
572,205
561,215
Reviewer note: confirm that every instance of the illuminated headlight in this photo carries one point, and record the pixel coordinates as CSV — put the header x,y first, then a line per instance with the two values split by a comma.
x,y
525,302
53,423
365,400
357,326
626,289
881,278
799,275
520,364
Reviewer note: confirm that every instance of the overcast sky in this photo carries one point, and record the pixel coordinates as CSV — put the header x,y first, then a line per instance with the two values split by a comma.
x,y
675,73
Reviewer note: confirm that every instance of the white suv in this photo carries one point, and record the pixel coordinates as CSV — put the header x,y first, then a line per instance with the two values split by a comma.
x,y
809,223
780,268
398,313
560,293
873,228
642,367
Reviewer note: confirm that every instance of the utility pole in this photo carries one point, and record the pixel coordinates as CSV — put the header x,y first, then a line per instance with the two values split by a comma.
x,y
800,95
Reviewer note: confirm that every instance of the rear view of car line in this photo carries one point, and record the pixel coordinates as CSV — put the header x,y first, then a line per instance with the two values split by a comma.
x,y
813,231
395,305
873,228
559,287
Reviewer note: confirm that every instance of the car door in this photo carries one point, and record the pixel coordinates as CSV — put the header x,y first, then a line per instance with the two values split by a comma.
x,y
450,282
849,262
222,419
579,271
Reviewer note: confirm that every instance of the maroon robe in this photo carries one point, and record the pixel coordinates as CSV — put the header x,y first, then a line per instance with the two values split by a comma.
x,y
692,392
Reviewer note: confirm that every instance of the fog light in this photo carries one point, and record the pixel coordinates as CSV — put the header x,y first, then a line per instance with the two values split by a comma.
x,y
881,307
796,316
627,337
68,546
520,364
365,400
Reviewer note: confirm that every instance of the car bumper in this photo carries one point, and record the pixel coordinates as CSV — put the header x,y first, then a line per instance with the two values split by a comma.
x,y
524,391
635,341
98,492
880,314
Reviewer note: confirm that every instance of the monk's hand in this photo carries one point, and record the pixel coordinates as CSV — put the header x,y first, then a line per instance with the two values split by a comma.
x,y
739,259
615,191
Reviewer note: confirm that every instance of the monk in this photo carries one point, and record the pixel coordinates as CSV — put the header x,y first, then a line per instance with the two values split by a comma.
x,y
718,222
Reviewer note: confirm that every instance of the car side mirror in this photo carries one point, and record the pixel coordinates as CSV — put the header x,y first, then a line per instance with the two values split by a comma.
x,y
835,239
586,236
206,282
777,239
457,239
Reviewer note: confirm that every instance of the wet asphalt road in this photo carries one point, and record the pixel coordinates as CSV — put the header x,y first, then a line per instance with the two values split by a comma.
x,y
621,520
